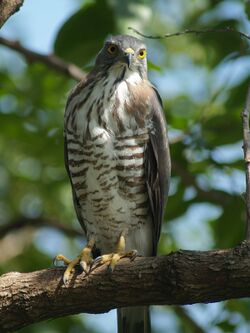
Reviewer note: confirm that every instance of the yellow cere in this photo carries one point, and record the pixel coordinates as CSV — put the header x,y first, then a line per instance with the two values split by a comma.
x,y
129,50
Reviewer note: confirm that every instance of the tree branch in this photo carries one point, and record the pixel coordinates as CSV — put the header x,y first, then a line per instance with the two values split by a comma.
x,y
193,31
22,222
183,277
246,149
52,60
8,8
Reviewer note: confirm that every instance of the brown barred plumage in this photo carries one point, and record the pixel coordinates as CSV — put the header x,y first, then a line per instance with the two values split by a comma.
x,y
117,156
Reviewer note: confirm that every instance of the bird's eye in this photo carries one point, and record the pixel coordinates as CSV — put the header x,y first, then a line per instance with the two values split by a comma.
x,y
142,53
112,49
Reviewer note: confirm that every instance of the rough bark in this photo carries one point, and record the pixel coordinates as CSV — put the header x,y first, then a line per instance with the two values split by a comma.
x,y
183,277
8,8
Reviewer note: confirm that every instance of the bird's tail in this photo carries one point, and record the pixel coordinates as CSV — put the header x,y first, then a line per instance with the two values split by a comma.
x,y
133,320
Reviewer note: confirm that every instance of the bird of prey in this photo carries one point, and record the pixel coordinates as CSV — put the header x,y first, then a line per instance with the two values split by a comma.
x,y
117,158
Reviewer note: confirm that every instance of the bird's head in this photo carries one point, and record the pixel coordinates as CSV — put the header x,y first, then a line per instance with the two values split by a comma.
x,y
123,51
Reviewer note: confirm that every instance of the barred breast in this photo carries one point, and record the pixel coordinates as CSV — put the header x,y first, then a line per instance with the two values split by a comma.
x,y
106,143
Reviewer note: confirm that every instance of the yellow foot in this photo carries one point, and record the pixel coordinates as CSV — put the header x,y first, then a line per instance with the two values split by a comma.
x,y
84,260
113,258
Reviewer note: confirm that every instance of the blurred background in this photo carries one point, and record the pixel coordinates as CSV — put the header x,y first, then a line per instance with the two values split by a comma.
x,y
203,80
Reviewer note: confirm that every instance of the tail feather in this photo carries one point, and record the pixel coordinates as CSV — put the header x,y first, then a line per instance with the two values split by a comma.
x,y
134,320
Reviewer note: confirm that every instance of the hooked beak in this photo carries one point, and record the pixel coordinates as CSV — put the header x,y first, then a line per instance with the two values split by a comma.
x,y
128,56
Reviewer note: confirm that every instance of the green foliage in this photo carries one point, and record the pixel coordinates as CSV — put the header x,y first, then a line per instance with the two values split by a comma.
x,y
81,37
72,324
203,80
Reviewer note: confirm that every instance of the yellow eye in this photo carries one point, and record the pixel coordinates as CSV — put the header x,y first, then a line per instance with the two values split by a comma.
x,y
142,53
112,49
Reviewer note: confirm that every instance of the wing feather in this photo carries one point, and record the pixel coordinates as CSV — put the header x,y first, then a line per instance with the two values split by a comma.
x,y
73,94
157,166
77,205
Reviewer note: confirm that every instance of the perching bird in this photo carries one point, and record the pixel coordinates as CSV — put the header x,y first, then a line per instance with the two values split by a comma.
x,y
117,158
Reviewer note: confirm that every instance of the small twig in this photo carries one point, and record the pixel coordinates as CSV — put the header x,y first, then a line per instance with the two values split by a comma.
x,y
246,149
193,31
52,60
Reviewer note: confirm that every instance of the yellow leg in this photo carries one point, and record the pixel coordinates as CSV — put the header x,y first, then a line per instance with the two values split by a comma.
x,y
113,258
84,260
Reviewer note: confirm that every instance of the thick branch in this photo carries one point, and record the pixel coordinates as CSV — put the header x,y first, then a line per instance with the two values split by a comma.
x,y
8,8
246,149
183,277
52,60
193,31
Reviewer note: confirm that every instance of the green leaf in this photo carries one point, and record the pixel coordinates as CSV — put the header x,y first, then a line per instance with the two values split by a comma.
x,y
230,227
238,95
240,306
247,8
219,45
153,67
223,129
226,326
82,36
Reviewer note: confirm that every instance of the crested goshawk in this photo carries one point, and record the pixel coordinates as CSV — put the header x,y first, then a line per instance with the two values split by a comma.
x,y
117,158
